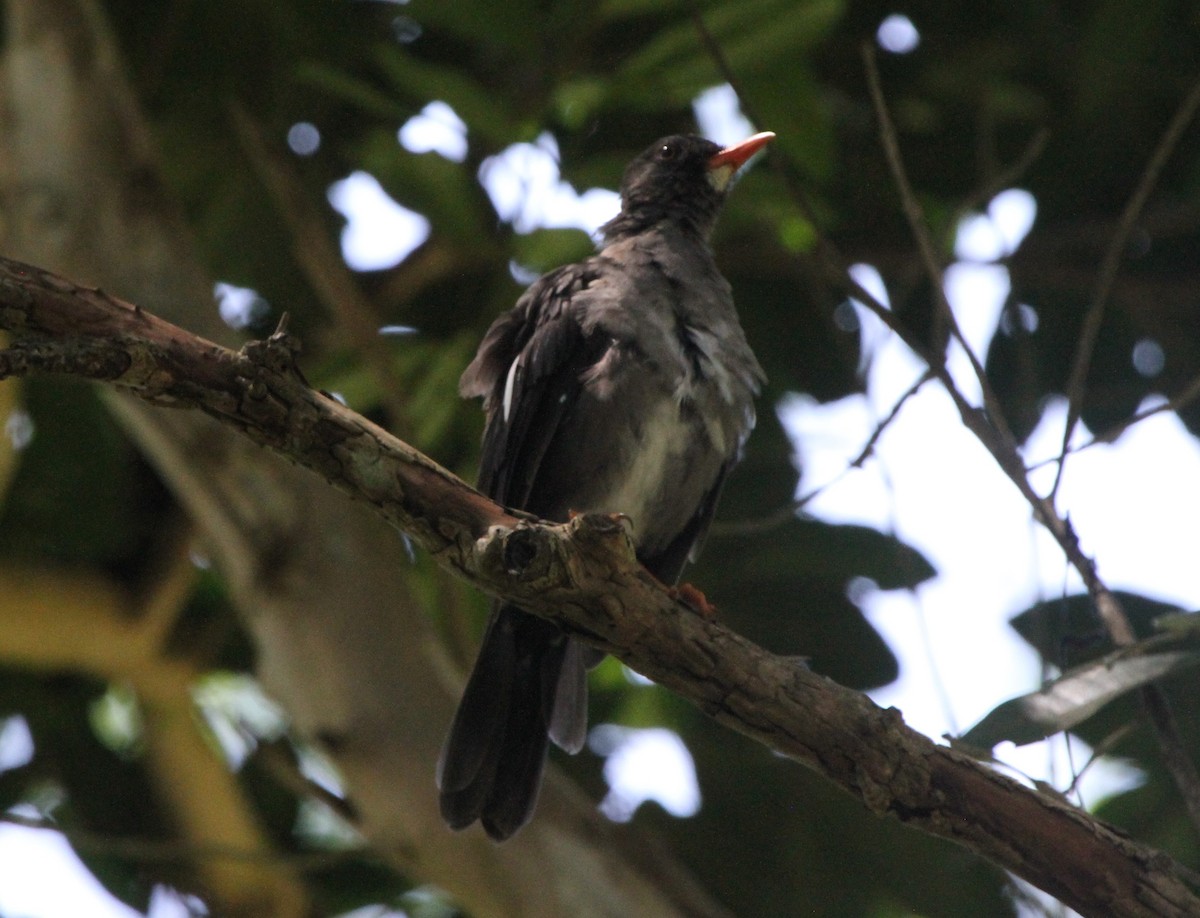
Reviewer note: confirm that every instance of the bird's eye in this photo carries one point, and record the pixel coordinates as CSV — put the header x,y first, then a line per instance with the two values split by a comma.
x,y
667,152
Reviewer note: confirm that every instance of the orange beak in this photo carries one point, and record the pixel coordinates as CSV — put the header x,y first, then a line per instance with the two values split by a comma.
x,y
723,165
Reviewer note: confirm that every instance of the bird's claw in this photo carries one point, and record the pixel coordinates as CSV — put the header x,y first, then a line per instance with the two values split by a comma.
x,y
695,599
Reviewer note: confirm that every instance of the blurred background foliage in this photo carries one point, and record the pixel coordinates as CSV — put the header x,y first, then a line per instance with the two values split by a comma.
x,y
1064,99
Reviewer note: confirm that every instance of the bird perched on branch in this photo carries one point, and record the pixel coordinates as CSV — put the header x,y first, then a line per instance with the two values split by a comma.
x,y
620,384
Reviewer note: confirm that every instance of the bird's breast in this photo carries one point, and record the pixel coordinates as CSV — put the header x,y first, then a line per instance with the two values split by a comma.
x,y
649,455
669,462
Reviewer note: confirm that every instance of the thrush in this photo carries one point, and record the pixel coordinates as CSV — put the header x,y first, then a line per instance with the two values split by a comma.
x,y
620,384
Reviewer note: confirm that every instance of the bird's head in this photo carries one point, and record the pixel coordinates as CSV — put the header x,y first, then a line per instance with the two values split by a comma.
x,y
680,179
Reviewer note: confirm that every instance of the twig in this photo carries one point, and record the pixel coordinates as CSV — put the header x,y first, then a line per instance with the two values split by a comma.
x,y
869,446
1190,393
789,510
284,771
717,53
1003,179
1077,382
1170,743
773,520
914,213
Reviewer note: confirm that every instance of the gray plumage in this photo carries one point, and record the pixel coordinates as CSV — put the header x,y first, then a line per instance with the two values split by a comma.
x,y
623,383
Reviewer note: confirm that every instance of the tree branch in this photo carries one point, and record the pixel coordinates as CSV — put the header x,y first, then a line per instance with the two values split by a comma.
x,y
585,576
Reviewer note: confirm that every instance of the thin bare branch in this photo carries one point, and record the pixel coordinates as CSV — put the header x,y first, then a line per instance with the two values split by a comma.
x,y
1174,405
1077,382
915,215
1007,176
789,510
717,53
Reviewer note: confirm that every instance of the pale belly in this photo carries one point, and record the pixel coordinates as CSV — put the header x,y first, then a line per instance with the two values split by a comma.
x,y
663,476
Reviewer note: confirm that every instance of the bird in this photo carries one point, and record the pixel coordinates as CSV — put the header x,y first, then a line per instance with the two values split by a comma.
x,y
620,384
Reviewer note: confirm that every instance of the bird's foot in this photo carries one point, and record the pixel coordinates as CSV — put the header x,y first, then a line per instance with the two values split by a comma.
x,y
624,520
695,599
604,522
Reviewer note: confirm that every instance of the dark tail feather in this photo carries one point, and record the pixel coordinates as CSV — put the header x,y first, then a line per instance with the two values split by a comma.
x,y
491,765
518,778
468,761
568,716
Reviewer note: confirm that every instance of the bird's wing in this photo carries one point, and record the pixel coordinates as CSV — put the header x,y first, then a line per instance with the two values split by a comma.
x,y
529,682
528,370
668,564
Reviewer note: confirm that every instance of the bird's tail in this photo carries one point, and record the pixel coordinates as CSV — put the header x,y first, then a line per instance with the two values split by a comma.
x,y
528,686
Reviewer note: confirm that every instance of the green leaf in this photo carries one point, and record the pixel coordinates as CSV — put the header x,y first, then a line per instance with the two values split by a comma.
x,y
79,494
544,249
1074,697
740,28
355,883
1068,631
482,107
354,90
506,25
